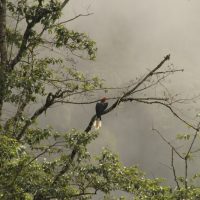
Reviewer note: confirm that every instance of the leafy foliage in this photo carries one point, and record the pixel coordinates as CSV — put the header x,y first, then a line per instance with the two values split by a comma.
x,y
83,178
42,163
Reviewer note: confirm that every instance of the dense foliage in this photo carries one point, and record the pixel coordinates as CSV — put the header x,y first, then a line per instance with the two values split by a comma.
x,y
44,164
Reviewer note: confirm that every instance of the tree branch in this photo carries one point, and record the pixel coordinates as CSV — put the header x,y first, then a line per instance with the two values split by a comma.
x,y
169,71
43,152
36,19
113,98
174,170
64,3
186,173
69,20
165,140
193,140
15,31
32,160
172,111
50,100
112,107
187,156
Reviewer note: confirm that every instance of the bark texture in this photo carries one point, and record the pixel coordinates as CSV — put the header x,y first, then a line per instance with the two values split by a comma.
x,y
3,52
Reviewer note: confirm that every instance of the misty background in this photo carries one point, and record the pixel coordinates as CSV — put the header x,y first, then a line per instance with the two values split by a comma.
x,y
133,36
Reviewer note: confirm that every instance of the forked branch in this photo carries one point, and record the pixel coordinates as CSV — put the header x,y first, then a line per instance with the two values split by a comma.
x,y
112,107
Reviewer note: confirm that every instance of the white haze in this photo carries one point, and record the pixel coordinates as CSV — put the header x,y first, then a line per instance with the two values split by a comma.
x,y
133,36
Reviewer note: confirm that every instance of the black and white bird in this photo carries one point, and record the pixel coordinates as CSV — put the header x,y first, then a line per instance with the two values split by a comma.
x,y
100,107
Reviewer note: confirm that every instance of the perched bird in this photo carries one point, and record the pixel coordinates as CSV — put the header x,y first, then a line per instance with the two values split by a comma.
x,y
100,107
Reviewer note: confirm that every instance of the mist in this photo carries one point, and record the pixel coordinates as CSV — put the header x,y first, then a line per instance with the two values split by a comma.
x,y
133,36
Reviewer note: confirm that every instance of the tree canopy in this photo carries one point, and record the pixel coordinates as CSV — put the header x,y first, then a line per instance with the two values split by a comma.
x,y
43,163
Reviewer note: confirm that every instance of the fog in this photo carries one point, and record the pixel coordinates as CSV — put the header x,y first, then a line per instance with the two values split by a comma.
x,y
133,36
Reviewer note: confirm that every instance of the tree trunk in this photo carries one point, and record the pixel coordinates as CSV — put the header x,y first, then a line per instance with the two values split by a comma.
x,y
3,52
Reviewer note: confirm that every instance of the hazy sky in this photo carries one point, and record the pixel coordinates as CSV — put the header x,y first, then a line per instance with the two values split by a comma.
x,y
133,36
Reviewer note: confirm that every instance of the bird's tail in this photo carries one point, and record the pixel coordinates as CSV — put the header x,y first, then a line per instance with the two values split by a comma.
x,y
97,124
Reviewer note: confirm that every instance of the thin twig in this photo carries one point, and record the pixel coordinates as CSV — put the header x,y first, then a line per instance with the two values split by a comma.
x,y
69,20
174,170
169,71
193,140
187,156
43,152
172,111
166,141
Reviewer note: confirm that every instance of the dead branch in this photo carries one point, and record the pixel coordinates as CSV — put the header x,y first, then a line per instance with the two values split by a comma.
x,y
130,92
173,149
64,3
169,71
187,156
112,107
193,140
113,98
167,142
124,98
174,169
77,16
172,111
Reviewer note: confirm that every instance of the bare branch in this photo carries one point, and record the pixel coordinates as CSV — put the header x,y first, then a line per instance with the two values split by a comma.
x,y
64,3
113,98
113,106
69,20
169,71
187,156
147,76
166,141
192,143
174,170
172,111
119,100
195,151
151,85
123,98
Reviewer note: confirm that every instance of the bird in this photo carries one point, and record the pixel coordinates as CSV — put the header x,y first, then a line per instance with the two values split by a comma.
x,y
100,107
